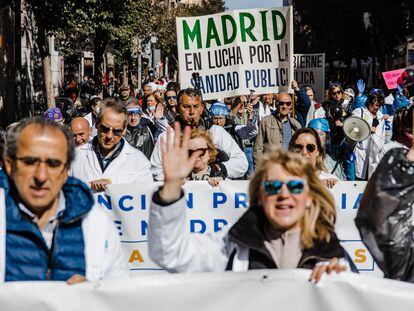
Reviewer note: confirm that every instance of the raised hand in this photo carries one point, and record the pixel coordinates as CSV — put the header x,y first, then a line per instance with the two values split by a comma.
x,y
361,86
176,162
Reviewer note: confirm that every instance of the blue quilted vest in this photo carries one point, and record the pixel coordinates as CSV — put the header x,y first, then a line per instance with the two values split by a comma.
x,y
27,255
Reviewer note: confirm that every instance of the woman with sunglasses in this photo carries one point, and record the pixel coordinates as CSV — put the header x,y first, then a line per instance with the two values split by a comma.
x,y
335,113
306,142
289,224
205,166
366,151
334,163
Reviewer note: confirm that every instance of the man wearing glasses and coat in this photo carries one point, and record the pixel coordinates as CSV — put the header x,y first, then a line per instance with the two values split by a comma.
x,y
51,228
109,158
276,129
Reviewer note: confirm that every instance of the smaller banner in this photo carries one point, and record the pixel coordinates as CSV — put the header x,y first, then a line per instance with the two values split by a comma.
x,y
237,51
310,70
391,77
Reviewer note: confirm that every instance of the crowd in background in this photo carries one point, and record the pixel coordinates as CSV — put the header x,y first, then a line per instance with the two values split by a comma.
x,y
292,148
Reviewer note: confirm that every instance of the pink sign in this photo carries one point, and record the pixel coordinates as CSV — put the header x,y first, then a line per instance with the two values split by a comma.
x,y
391,78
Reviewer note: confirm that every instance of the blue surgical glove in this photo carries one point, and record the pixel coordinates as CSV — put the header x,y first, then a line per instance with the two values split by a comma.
x,y
400,89
361,86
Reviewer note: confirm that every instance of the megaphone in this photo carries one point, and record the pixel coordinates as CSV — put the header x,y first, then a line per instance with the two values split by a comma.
x,y
356,129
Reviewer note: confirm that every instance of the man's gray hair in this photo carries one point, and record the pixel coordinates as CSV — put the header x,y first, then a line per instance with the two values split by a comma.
x,y
14,134
115,105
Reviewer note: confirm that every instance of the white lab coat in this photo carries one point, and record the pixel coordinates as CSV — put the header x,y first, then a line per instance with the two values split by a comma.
x,y
366,151
236,166
130,166
104,256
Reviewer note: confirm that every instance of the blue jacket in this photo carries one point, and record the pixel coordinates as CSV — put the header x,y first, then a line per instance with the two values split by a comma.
x,y
302,106
27,255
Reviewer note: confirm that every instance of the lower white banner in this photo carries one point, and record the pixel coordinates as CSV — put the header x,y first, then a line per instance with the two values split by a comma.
x,y
253,290
209,209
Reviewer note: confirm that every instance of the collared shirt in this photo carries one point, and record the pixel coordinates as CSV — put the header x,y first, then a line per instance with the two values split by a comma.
x,y
287,134
105,161
49,230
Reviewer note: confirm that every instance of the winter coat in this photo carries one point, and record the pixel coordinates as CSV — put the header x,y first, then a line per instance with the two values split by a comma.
x,y
385,216
236,166
271,132
141,138
238,248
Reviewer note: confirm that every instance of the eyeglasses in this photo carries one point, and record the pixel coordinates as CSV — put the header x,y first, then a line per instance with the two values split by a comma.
x,y
170,97
105,129
272,187
203,151
336,93
309,147
287,104
219,118
32,163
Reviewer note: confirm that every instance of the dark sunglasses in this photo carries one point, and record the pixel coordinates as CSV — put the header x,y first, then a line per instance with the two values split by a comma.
x,y
203,151
272,187
337,92
105,129
287,104
309,147
170,97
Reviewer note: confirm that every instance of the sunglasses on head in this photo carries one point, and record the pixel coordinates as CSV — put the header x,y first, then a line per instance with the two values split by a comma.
x,y
203,151
105,129
309,147
287,104
272,187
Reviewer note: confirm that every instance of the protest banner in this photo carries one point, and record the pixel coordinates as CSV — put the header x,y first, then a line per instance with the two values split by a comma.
x,y
310,70
391,77
237,51
287,290
209,209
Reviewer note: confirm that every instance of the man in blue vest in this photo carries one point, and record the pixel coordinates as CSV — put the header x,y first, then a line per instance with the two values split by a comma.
x,y
53,230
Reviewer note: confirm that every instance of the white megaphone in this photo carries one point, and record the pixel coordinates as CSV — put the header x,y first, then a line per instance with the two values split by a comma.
x,y
356,129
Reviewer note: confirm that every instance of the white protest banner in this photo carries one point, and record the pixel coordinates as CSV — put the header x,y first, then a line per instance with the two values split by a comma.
x,y
287,290
310,70
237,51
208,209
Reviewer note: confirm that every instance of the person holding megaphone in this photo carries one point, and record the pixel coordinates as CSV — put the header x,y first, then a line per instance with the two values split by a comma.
x,y
366,150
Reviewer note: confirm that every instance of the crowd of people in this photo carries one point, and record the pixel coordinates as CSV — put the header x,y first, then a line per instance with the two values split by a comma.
x,y
291,147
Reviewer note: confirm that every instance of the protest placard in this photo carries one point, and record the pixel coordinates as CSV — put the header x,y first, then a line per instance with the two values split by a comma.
x,y
237,51
391,77
310,70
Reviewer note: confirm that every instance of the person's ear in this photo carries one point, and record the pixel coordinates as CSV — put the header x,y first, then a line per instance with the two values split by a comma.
x,y
8,163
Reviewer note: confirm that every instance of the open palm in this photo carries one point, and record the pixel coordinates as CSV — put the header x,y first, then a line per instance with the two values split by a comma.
x,y
175,160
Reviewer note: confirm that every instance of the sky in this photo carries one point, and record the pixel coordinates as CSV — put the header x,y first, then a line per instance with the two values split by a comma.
x,y
251,4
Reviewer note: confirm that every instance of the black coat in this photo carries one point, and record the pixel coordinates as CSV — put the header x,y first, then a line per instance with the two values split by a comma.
x,y
384,216
248,232
141,137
